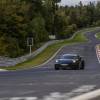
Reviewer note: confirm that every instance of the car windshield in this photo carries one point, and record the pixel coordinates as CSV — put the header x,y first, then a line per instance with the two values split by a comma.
x,y
68,57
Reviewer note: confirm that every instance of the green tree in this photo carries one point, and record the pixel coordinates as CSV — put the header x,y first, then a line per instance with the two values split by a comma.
x,y
38,29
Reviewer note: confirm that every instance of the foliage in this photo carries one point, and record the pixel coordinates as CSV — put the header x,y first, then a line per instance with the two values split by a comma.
x,y
39,19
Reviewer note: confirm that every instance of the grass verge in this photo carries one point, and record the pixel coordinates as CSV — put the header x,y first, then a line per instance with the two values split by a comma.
x,y
98,35
47,53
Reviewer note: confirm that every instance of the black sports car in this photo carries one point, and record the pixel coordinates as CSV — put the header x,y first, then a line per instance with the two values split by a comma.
x,y
72,61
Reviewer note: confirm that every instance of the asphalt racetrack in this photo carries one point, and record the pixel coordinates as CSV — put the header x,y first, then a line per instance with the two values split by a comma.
x,y
45,82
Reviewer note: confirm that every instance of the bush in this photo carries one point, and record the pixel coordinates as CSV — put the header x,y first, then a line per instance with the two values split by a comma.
x,y
38,29
9,47
68,32
97,23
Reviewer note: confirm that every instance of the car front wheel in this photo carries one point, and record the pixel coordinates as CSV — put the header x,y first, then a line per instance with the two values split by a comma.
x,y
82,65
56,67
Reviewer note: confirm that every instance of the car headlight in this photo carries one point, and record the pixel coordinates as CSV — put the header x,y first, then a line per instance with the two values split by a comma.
x,y
57,61
74,61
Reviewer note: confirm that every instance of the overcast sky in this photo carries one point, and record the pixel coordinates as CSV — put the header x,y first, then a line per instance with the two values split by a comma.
x,y
73,2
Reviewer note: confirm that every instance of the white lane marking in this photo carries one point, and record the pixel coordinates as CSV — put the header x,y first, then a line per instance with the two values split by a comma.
x,y
54,96
59,96
79,91
67,96
88,96
50,58
26,92
95,36
23,98
2,70
98,51
84,88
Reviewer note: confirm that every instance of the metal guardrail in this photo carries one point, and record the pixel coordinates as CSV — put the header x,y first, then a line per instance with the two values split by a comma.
x,y
5,61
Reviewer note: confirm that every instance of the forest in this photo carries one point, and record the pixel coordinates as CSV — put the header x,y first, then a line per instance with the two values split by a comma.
x,y
20,19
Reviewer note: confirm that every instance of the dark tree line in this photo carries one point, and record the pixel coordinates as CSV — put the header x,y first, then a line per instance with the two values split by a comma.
x,y
20,19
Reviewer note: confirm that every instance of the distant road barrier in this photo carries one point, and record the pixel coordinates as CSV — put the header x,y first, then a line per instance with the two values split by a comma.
x,y
5,61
